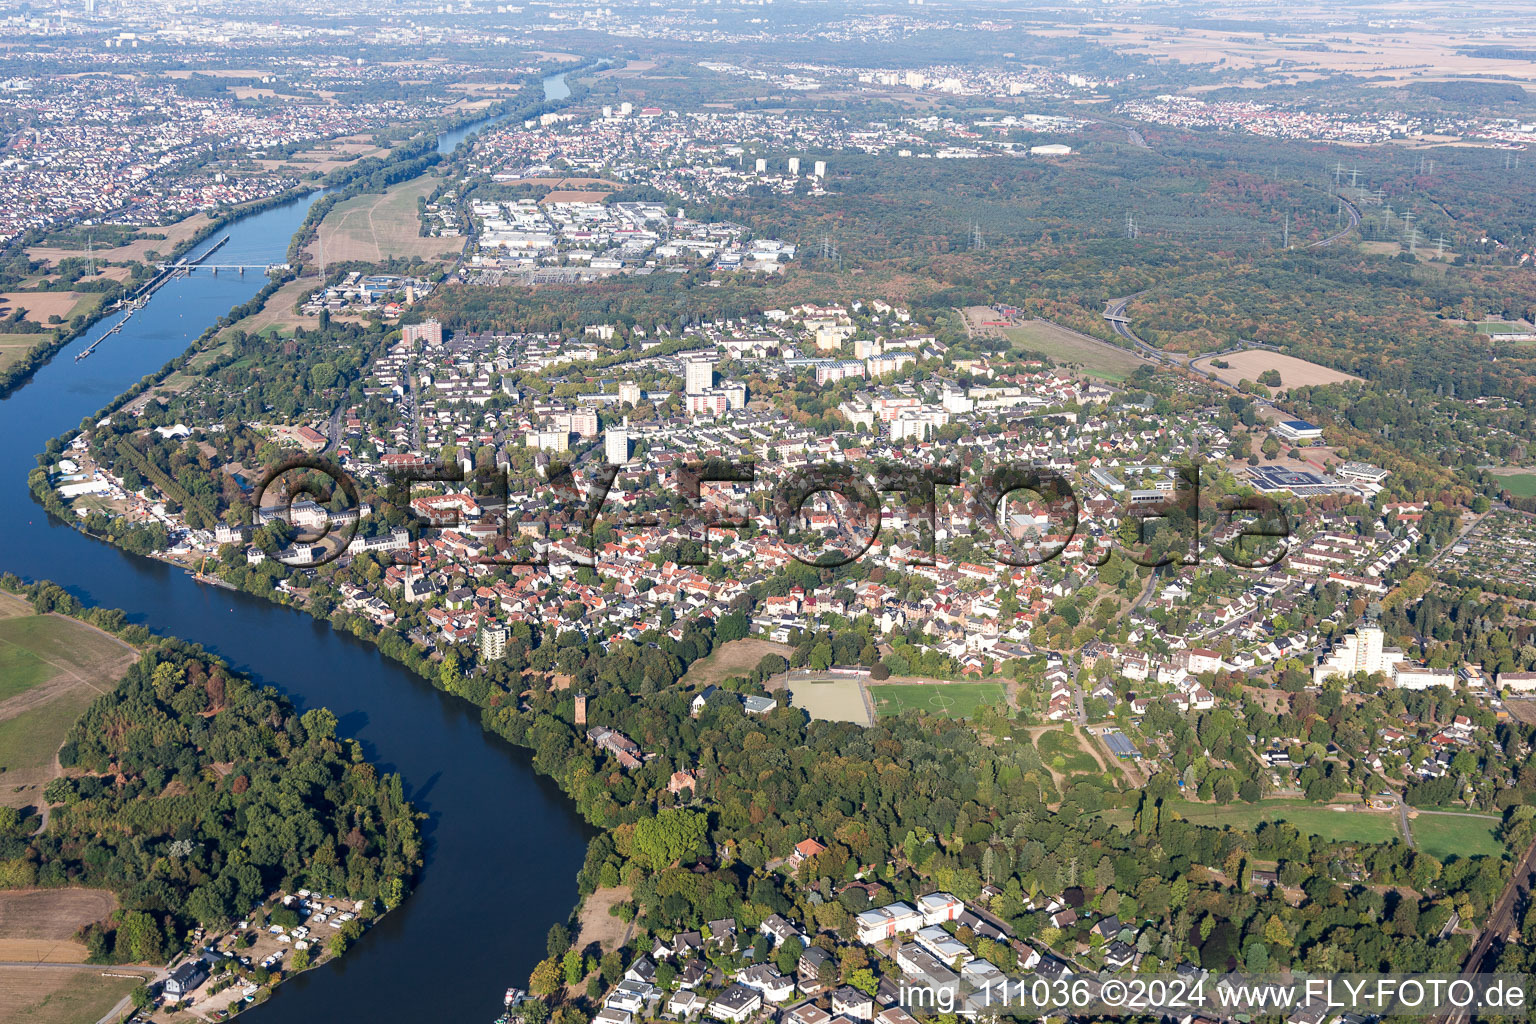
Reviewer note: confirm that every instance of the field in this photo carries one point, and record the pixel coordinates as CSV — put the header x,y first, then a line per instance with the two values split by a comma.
x,y
175,234
595,924
1522,710
737,658
51,995
1063,751
40,924
1385,58
1521,485
52,668
1293,372
1341,826
14,347
41,305
1448,835
834,700
325,156
279,312
953,700
373,227
1069,348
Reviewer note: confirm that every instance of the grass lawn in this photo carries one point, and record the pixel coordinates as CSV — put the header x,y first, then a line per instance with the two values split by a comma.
x,y
1521,485
14,347
29,741
20,669
1339,826
1062,751
736,658
953,700
1443,836
51,668
40,996
1096,358
374,227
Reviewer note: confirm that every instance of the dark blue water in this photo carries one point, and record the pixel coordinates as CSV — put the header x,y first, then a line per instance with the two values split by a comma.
x,y
503,844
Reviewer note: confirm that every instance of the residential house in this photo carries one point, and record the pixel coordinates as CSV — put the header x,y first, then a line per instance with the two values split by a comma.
x,y
722,935
850,1002
780,930
808,970
939,906
766,979
887,922
184,979
736,1004
685,1005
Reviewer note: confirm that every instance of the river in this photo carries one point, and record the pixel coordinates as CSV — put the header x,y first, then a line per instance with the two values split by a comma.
x,y
503,844
555,88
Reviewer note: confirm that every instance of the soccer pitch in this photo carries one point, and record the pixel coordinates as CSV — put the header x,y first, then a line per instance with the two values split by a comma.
x,y
953,700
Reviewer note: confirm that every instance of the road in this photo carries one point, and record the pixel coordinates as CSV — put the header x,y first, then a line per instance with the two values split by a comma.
x,y
1354,222
1120,323
1402,812
333,431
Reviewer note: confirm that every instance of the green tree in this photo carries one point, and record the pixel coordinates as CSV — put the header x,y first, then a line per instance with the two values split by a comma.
x,y
668,837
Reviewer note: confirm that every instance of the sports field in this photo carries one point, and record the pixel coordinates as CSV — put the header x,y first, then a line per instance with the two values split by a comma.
x,y
1443,836
1339,826
1069,348
831,700
1521,485
51,668
953,700
373,227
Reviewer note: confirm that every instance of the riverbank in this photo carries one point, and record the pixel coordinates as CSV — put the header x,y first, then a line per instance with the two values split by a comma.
x,y
287,933
454,924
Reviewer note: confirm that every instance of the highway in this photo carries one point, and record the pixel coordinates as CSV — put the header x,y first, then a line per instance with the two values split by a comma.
x,y
1115,310
1354,222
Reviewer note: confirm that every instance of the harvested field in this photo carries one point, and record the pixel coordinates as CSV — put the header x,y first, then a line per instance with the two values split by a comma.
x,y
373,227
1386,58
40,924
573,197
1522,709
51,995
41,305
327,156
175,234
1293,372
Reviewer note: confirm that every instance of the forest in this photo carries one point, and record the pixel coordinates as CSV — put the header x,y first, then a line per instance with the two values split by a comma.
x,y
194,795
